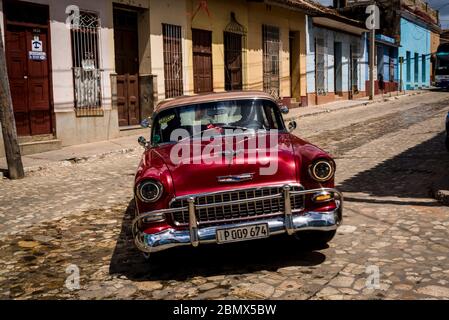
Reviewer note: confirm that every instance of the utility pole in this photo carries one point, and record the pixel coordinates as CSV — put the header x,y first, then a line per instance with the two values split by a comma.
x,y
12,149
372,55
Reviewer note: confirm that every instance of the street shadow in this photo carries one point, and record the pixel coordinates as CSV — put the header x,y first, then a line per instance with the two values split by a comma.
x,y
409,175
207,260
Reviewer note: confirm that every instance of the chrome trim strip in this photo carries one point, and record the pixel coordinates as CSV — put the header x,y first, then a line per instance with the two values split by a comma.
x,y
232,190
193,223
289,227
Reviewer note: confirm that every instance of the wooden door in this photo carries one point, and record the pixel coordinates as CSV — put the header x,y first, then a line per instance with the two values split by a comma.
x,y
127,66
233,61
29,79
202,60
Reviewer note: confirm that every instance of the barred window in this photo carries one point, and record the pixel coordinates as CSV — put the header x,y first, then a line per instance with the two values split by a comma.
x,y
85,34
172,36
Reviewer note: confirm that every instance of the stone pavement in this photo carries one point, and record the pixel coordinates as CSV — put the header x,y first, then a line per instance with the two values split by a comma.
x,y
393,244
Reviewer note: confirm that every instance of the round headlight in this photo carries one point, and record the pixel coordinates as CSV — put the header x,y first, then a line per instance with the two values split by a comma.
x,y
149,191
322,170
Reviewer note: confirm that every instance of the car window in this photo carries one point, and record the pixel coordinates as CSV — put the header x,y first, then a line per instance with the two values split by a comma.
x,y
245,115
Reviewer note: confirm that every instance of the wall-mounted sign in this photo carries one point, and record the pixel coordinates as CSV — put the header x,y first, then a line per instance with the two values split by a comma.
x,y
37,56
36,45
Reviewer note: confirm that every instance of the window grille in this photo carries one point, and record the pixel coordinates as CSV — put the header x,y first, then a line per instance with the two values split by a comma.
x,y
172,38
85,33
271,48
320,67
424,67
355,53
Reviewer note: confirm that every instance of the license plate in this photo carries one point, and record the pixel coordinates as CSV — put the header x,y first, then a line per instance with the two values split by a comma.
x,y
250,232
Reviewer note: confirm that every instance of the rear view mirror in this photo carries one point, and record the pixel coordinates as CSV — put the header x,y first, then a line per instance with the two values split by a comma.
x,y
292,126
142,141
284,109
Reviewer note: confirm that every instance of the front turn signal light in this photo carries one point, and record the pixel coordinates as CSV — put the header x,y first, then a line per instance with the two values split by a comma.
x,y
322,197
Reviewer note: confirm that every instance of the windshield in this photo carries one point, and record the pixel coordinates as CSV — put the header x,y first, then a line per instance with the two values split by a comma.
x,y
221,117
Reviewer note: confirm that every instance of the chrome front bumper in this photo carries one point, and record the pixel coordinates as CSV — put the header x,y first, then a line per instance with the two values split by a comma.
x,y
288,223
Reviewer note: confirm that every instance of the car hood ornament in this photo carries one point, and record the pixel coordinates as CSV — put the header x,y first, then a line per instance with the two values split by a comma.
x,y
236,178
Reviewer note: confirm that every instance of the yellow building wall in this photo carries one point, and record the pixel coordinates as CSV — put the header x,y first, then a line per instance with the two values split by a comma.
x,y
286,21
252,16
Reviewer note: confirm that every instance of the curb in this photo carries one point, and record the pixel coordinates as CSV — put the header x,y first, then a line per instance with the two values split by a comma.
x,y
361,104
438,192
76,160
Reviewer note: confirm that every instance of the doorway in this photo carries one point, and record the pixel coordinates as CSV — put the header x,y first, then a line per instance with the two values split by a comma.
x,y
233,61
338,74
202,60
295,59
27,48
126,41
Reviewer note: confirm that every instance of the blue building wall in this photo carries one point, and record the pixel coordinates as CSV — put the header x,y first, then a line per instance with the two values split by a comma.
x,y
346,40
416,41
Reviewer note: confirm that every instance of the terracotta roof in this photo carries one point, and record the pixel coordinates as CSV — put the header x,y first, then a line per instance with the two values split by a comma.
x,y
211,97
314,8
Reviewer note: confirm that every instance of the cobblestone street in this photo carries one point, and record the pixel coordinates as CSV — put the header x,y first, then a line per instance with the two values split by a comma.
x,y
388,157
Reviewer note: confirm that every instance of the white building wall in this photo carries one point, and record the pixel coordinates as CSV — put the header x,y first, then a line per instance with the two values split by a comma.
x,y
331,37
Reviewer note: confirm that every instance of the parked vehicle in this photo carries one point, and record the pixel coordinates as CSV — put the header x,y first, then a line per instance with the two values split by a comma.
x,y
194,201
442,66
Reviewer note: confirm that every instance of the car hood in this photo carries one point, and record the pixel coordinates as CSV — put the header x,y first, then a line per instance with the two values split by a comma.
x,y
248,167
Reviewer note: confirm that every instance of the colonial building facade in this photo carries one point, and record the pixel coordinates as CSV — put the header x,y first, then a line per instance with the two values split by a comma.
x,y
84,71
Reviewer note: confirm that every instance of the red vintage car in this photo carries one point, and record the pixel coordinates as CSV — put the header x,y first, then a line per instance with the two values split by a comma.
x,y
223,168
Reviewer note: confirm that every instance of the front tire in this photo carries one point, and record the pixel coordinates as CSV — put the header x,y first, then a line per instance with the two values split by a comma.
x,y
315,239
447,142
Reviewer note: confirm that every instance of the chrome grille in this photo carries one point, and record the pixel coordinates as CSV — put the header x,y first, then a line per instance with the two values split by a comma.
x,y
238,205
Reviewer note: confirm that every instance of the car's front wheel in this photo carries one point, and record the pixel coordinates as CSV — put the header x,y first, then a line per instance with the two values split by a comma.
x,y
315,239
447,142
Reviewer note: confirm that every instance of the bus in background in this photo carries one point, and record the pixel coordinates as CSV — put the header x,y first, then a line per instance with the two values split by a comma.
x,y
442,66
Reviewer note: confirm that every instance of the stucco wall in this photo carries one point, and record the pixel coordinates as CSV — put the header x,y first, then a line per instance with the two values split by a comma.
x,y
71,129
285,20
220,16
415,39
170,12
330,37
434,44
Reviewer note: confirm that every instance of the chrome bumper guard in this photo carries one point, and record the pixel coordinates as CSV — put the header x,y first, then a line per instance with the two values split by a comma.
x,y
289,223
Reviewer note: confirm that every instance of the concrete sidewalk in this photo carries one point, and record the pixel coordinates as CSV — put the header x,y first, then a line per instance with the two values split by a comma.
x,y
127,144
76,153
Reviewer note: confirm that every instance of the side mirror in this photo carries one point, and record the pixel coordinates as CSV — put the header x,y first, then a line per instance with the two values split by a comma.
x,y
284,109
142,141
292,126
145,123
